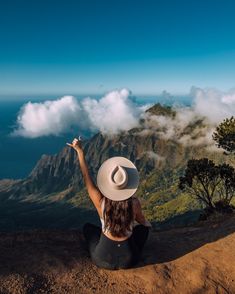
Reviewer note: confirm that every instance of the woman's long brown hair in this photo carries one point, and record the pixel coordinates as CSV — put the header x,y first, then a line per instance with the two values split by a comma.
x,y
118,216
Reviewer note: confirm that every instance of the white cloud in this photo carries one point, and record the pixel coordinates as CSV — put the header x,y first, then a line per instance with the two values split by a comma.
x,y
193,125
229,99
170,127
113,113
47,118
214,104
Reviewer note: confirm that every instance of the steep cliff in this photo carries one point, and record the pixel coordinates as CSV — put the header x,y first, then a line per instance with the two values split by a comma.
x,y
54,173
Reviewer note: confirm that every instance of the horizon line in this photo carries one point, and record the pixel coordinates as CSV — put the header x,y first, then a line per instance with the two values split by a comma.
x,y
88,94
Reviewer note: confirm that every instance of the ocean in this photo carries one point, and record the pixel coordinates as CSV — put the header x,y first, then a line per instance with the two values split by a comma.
x,y
18,155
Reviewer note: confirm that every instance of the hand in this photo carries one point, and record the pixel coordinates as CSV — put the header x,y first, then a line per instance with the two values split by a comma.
x,y
76,145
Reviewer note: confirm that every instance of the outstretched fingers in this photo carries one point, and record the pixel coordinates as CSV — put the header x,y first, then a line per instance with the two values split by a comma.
x,y
75,144
75,140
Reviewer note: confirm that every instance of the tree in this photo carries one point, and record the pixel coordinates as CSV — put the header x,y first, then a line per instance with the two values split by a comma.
x,y
224,136
213,185
226,188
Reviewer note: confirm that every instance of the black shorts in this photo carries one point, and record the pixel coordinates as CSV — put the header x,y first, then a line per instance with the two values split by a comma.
x,y
110,254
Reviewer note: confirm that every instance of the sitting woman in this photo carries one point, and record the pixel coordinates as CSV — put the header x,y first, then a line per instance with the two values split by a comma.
x,y
120,241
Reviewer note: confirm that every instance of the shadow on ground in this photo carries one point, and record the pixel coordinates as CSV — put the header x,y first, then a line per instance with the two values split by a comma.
x,y
25,215
168,245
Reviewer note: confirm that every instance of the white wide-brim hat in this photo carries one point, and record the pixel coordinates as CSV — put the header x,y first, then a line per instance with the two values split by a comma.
x,y
117,178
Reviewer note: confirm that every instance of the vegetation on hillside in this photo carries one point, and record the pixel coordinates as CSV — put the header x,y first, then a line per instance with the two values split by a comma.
x,y
224,135
213,185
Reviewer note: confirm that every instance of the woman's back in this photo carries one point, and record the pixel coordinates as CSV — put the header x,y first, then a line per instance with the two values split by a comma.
x,y
106,229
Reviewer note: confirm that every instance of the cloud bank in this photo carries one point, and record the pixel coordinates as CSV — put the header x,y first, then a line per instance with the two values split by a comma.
x,y
213,104
193,125
115,112
47,118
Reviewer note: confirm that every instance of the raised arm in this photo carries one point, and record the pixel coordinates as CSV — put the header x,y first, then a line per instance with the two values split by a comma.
x,y
93,192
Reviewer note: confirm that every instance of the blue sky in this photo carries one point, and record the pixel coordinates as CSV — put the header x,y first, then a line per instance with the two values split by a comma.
x,y
93,46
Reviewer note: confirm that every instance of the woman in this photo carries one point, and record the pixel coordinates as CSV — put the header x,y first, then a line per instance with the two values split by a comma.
x,y
119,243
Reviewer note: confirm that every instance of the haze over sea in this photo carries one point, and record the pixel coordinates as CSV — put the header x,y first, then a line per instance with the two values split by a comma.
x,y
18,155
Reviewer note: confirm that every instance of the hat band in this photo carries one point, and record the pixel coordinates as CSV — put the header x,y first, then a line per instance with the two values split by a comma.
x,y
118,177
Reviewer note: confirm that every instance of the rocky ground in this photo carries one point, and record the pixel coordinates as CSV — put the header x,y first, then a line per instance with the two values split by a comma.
x,y
196,259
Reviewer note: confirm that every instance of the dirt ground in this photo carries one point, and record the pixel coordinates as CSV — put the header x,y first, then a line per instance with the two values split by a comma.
x,y
193,260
